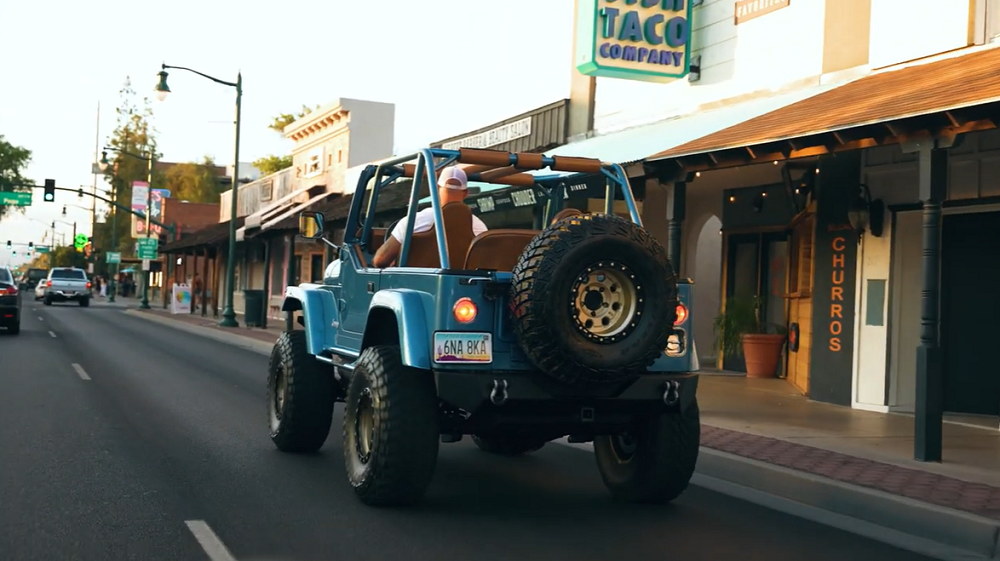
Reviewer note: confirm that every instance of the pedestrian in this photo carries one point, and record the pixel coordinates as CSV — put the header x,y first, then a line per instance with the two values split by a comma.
x,y
104,287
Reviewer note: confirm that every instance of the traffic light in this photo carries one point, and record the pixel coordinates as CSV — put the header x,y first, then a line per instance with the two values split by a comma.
x,y
50,190
9,245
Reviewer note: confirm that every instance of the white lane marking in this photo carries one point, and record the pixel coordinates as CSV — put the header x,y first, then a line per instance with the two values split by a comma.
x,y
40,318
79,370
52,334
213,546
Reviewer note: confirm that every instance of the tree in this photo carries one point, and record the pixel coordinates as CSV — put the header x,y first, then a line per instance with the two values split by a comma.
x,y
133,134
273,164
194,182
13,160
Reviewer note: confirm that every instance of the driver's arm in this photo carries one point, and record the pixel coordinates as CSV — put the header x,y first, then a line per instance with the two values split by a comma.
x,y
387,253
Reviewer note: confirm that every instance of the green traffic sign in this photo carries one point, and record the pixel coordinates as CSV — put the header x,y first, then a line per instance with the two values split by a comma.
x,y
80,241
114,257
42,248
19,198
148,248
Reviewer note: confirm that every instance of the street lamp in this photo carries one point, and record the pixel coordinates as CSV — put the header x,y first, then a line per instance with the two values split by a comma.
x,y
103,165
162,89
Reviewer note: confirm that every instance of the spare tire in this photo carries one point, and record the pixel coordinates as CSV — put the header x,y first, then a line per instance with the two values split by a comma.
x,y
593,300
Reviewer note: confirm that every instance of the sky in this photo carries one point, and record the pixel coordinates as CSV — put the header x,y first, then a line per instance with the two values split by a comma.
x,y
449,66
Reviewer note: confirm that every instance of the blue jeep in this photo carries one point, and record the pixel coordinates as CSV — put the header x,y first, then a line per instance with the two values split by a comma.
x,y
515,337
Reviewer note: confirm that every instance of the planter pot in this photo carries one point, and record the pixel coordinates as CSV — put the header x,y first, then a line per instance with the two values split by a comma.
x,y
762,354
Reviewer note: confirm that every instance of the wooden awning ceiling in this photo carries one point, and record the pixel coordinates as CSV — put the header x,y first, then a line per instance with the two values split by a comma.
x,y
946,97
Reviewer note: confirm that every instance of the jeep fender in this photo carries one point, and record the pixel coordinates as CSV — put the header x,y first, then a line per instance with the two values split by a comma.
x,y
319,314
407,307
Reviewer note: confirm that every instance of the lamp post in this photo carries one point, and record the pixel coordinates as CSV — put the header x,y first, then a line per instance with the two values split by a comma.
x,y
228,313
144,303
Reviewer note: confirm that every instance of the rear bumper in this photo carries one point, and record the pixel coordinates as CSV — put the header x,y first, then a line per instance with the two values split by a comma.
x,y
60,295
519,400
9,315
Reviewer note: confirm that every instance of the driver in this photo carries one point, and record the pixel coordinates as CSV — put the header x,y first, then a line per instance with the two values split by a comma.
x,y
452,187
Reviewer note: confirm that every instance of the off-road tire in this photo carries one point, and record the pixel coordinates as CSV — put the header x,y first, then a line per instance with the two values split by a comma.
x,y
544,307
508,444
84,302
405,433
665,455
302,422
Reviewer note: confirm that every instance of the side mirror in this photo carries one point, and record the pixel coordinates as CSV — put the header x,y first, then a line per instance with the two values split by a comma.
x,y
311,225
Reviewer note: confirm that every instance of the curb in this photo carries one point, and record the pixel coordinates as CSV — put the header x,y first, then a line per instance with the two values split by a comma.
x,y
233,339
930,530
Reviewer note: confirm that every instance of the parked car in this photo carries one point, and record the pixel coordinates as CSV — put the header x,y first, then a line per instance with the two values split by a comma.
x,y
514,337
10,302
67,284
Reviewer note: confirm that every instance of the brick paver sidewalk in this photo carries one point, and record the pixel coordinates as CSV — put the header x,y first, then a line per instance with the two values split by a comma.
x,y
931,488
268,335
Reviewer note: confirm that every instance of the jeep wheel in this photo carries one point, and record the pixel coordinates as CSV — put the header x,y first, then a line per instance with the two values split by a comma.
x,y
593,300
300,396
391,433
508,444
655,463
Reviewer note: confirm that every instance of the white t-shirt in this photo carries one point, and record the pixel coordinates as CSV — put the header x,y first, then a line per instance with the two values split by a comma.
x,y
425,221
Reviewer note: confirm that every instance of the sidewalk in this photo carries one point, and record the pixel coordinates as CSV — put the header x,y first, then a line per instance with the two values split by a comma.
x,y
764,442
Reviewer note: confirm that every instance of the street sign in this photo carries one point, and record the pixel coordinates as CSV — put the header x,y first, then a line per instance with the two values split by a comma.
x,y
114,257
42,248
147,248
146,264
18,198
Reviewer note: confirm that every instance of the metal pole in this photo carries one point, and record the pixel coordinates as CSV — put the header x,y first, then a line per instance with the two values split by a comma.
x,y
229,314
114,241
149,203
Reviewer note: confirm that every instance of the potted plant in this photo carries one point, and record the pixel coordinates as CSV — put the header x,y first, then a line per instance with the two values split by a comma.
x,y
740,332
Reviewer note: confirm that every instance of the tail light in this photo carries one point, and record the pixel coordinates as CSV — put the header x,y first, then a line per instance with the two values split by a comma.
x,y
48,283
465,310
88,284
9,291
682,314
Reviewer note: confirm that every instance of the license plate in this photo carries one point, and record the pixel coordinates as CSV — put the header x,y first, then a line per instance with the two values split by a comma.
x,y
463,348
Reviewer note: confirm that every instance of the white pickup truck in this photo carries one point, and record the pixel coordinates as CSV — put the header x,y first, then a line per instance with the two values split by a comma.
x,y
66,284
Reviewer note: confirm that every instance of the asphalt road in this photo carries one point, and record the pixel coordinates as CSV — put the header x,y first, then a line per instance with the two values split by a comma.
x,y
158,437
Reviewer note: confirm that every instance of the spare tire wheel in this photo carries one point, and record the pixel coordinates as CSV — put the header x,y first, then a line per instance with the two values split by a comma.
x,y
593,300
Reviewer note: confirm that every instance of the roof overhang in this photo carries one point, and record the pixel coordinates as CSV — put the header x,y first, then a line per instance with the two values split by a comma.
x,y
945,97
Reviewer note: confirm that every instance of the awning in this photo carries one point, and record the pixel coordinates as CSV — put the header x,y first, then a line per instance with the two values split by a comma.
x,y
953,94
209,236
633,144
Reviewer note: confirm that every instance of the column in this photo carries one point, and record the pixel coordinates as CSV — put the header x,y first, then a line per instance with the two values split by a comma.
x,y
676,203
290,277
928,420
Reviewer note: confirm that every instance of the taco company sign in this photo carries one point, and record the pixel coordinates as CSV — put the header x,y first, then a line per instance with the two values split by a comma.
x,y
646,40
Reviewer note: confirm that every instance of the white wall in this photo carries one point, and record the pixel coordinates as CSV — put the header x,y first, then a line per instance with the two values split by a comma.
x,y
974,171
905,30
767,53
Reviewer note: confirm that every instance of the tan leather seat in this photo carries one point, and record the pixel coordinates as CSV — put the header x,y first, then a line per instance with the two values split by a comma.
x,y
498,250
458,232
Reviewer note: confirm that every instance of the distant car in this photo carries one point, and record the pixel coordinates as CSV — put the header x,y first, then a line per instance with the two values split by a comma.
x,y
67,284
10,302
32,278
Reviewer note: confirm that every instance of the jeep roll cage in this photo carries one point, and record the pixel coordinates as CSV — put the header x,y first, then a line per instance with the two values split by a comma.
x,y
485,166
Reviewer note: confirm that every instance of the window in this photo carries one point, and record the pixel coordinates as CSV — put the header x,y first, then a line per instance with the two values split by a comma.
x,y
314,162
5,276
316,270
74,274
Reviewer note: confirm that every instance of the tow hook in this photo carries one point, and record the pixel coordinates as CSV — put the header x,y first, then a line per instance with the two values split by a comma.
x,y
672,393
498,392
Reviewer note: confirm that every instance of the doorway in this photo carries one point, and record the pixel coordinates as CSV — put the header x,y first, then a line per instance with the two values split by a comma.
x,y
970,305
757,265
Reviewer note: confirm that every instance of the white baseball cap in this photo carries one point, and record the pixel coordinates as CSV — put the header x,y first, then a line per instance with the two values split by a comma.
x,y
453,178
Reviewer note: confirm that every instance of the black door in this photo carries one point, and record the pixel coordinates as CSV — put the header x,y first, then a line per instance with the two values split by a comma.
x,y
970,310
757,266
